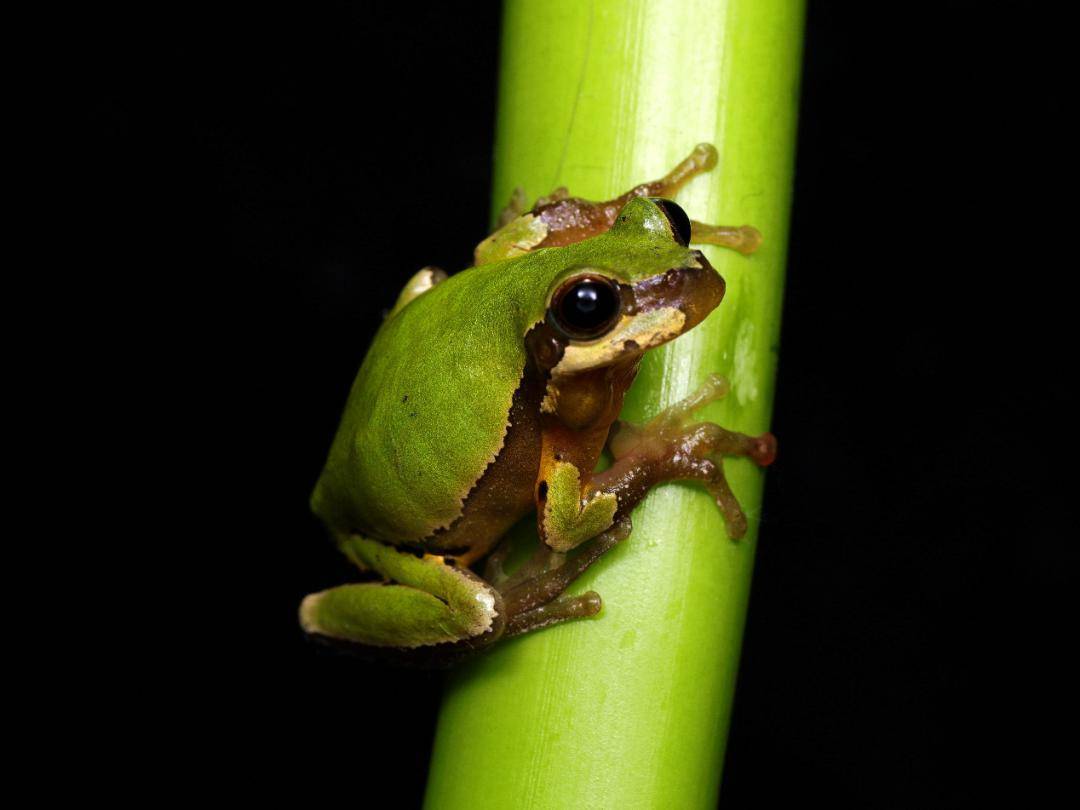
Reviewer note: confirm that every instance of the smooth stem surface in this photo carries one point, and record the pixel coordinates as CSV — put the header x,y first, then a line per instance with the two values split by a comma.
x,y
631,709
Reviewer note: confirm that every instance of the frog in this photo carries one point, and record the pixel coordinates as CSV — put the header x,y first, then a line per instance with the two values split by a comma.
x,y
494,393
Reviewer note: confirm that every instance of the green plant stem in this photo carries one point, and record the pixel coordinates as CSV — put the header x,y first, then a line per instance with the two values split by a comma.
x,y
631,709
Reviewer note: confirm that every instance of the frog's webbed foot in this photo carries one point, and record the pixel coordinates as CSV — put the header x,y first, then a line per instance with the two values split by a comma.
x,y
562,609
544,559
571,219
517,229
533,595
558,195
673,447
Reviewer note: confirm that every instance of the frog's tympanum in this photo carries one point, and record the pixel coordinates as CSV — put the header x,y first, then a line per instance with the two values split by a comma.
x,y
492,393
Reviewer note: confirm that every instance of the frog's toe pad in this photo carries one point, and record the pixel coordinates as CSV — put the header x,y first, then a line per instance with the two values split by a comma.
x,y
763,449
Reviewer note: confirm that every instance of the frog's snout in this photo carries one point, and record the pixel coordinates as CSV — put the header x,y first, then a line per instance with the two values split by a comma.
x,y
705,290
695,290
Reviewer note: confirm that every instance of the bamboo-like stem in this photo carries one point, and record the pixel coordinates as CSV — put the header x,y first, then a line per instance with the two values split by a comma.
x,y
631,709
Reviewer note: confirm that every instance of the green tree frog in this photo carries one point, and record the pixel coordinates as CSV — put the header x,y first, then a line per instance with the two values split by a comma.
x,y
493,392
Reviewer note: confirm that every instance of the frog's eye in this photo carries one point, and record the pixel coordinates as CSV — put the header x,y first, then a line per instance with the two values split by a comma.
x,y
677,218
586,307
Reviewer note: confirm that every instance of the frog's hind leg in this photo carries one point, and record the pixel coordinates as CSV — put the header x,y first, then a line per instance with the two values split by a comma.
x,y
742,238
425,601
533,596
571,219
559,219
517,204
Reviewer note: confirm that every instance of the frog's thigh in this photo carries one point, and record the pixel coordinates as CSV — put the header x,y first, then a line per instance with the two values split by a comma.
x,y
427,602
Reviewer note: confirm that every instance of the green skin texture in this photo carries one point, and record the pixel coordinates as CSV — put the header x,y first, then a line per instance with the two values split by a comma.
x,y
408,452
631,710
409,449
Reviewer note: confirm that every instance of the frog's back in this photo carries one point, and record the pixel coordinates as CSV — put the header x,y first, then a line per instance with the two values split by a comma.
x,y
429,408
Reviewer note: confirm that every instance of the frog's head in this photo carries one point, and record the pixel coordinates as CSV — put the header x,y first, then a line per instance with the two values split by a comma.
x,y
632,289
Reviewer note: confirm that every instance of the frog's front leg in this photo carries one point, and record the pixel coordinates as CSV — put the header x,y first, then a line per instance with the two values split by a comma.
x,y
591,513
573,507
424,601
421,281
673,447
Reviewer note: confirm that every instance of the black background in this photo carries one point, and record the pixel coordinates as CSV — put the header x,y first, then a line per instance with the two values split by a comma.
x,y
284,171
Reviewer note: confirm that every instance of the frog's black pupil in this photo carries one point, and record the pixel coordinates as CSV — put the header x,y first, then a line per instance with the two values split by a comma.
x,y
680,222
588,308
